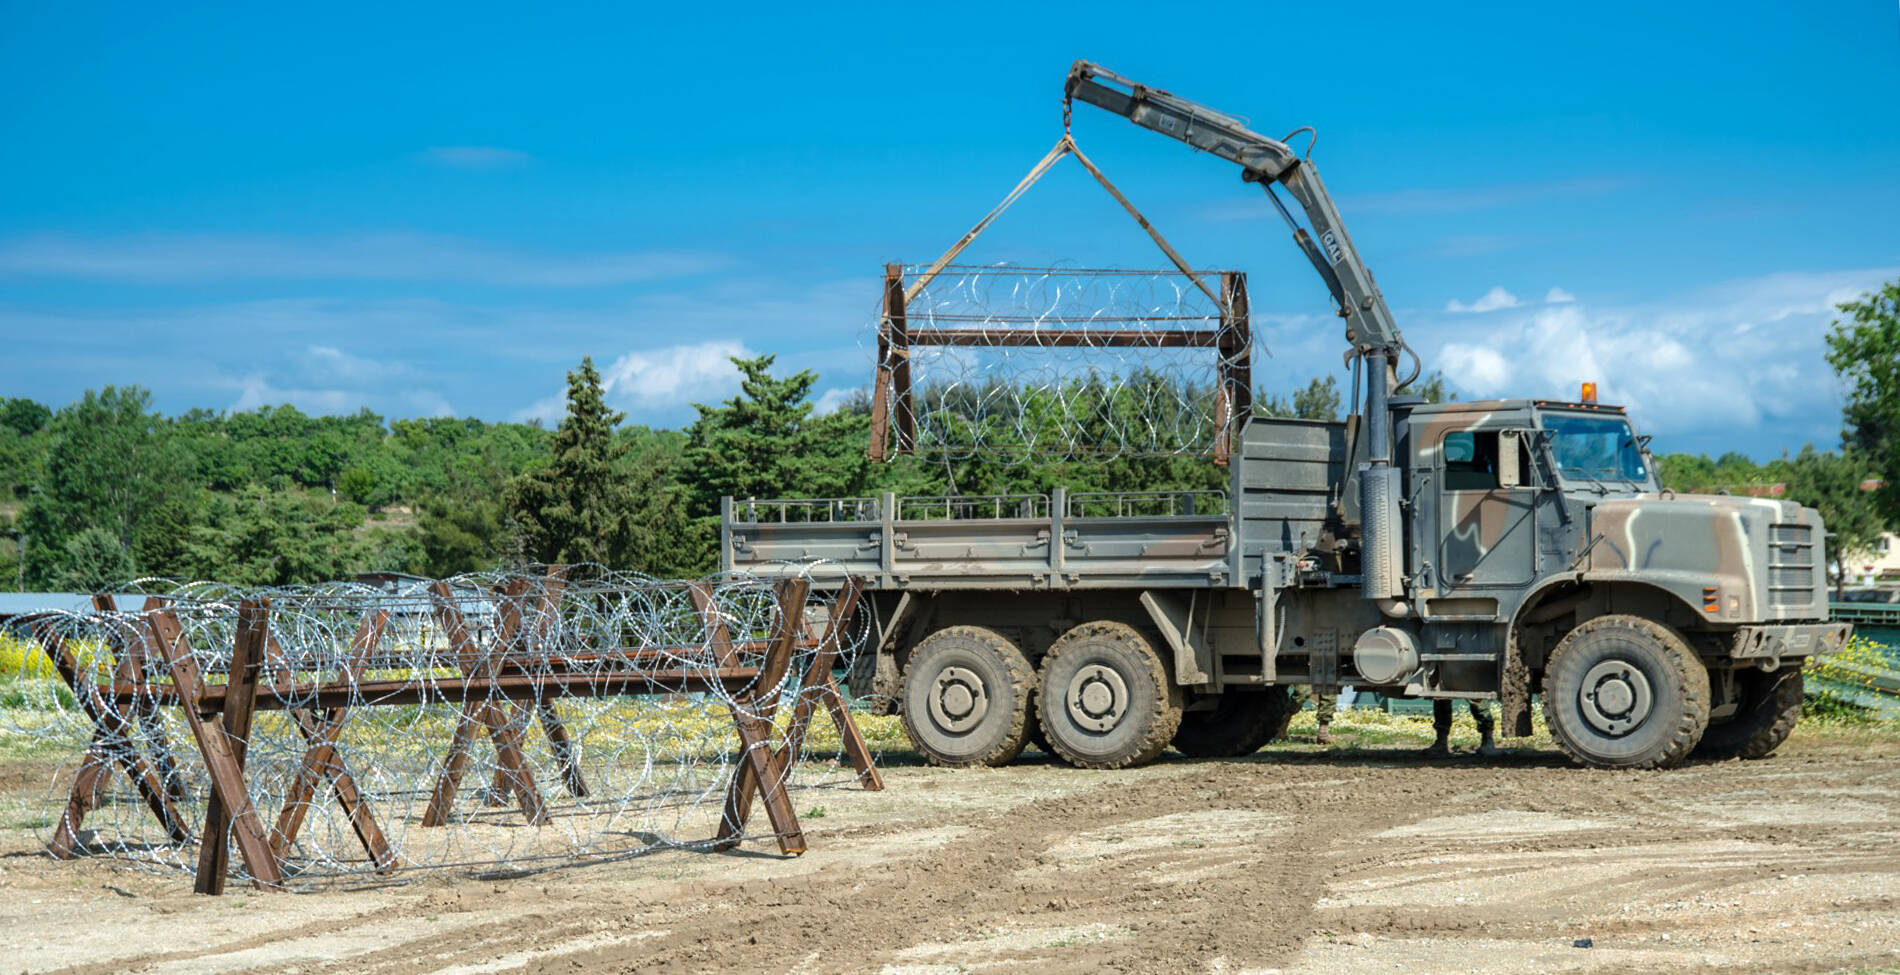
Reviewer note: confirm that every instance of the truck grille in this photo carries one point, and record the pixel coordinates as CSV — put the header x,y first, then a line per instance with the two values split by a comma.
x,y
1793,565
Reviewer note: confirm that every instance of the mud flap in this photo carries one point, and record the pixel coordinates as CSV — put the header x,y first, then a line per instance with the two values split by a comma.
x,y
1514,693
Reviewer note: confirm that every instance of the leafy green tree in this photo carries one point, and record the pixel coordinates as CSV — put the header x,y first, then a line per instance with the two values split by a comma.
x,y
1864,349
111,464
763,443
1433,387
1318,401
263,537
463,534
24,416
1832,484
96,560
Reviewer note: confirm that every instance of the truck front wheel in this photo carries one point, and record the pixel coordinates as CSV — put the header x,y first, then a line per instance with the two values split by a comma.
x,y
966,697
1625,692
1770,705
1239,724
1106,700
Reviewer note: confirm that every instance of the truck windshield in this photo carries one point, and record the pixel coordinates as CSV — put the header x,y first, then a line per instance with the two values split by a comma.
x,y
1600,448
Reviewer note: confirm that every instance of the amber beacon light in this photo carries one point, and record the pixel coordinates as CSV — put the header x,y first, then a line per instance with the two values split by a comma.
x,y
1589,392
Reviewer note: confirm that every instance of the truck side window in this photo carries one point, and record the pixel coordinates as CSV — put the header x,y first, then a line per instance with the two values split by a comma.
x,y
1471,462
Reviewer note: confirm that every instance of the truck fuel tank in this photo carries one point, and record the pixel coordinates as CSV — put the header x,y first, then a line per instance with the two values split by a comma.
x,y
1385,655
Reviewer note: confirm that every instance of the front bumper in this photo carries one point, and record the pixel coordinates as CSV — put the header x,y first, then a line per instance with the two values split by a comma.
x,y
1773,640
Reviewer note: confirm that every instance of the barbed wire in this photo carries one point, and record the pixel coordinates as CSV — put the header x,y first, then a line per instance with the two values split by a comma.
x,y
618,693
1053,363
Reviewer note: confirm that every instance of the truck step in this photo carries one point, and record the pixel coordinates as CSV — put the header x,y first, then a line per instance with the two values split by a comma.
x,y
1458,658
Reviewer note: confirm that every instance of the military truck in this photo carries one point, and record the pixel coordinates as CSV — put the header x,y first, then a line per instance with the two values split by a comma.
x,y
1481,550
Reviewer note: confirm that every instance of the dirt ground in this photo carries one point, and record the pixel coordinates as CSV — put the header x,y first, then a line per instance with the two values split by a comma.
x,y
1366,857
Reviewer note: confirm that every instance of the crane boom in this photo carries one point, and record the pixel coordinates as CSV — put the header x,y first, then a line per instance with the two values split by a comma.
x,y
1369,324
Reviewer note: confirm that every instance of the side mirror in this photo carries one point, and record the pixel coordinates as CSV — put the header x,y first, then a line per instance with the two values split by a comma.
x,y
1510,458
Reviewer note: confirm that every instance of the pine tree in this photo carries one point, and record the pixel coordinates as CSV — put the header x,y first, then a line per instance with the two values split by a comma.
x,y
576,509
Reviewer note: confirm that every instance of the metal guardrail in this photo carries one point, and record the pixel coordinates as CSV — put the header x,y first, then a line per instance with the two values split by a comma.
x,y
789,511
972,507
1877,614
1148,504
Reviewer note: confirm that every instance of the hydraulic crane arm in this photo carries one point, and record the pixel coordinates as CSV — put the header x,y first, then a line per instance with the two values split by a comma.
x,y
1369,324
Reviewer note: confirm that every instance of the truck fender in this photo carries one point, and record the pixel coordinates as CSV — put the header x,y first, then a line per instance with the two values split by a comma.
x,y
1173,616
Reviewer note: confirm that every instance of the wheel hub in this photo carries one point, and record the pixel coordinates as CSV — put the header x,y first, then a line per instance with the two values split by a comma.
x,y
1097,697
958,701
1615,697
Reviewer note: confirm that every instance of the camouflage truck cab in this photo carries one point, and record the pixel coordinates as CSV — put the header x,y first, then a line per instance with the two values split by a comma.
x,y
1543,550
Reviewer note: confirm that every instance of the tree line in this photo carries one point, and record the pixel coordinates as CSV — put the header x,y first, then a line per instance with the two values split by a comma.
x,y
106,489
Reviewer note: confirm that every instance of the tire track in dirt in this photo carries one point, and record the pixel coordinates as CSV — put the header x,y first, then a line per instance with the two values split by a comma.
x,y
1349,863
1256,908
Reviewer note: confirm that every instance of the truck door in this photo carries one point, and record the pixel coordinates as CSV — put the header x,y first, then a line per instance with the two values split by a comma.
x,y
1486,512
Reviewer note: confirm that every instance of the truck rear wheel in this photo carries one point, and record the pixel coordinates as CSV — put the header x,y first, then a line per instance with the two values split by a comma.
x,y
1239,724
1106,699
1625,692
966,697
1770,706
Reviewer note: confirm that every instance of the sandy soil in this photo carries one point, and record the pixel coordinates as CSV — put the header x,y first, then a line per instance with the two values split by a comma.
x,y
1355,859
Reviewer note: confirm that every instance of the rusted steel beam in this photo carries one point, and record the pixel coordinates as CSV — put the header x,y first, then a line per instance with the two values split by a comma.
x,y
881,386
896,312
321,760
113,741
820,688
221,810
1067,338
758,765
131,666
223,765
501,728
509,599
1234,399
457,690
454,766
764,701
566,750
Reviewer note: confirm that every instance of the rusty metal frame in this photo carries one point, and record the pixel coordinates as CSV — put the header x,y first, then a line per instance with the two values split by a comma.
x,y
893,407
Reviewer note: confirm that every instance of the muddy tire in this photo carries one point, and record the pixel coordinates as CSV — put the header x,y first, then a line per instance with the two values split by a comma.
x,y
1770,706
1625,692
1106,699
1238,725
1036,737
966,697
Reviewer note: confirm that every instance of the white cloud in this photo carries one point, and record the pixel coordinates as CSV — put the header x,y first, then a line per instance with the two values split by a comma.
x,y
332,363
672,376
657,381
1558,296
831,400
475,157
1706,370
170,258
1493,300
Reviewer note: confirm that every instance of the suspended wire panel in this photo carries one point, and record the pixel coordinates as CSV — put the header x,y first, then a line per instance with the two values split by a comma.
x,y
1050,363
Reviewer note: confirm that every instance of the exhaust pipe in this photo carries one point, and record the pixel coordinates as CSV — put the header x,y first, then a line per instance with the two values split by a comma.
x,y
1381,564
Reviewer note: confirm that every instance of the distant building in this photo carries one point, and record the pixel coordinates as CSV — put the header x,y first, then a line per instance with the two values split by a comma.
x,y
1879,564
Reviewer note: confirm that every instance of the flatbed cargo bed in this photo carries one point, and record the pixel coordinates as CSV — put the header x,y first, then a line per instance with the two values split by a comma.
x,y
1059,540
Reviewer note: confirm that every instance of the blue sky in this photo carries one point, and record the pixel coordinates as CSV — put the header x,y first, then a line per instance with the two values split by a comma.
x,y
441,209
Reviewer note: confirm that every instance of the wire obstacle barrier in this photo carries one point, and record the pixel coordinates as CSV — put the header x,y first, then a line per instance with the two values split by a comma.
x,y
351,731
